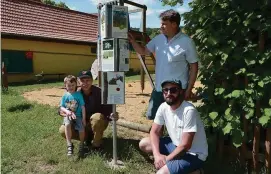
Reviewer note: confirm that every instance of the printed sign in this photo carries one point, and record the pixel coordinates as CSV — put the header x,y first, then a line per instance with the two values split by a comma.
x,y
103,21
120,21
123,54
113,88
108,55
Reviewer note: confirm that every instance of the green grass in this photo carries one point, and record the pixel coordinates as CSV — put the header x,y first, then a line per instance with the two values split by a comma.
x,y
31,143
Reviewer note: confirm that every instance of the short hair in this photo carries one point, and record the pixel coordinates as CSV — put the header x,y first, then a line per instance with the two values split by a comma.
x,y
171,15
70,78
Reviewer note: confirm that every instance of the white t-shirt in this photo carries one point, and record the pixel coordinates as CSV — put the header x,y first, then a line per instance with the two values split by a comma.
x,y
173,58
184,119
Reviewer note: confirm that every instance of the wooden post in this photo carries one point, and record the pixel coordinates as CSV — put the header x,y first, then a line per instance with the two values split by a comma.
x,y
256,142
244,145
245,129
143,30
256,138
268,150
220,145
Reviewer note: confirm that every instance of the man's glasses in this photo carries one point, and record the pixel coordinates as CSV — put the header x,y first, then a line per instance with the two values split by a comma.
x,y
172,90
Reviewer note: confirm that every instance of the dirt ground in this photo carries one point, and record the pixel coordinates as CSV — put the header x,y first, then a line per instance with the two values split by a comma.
x,y
133,110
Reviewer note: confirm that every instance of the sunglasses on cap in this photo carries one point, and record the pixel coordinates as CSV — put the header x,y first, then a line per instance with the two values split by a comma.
x,y
172,90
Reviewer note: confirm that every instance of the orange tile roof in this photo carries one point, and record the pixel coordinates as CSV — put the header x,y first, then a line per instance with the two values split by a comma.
x,y
28,18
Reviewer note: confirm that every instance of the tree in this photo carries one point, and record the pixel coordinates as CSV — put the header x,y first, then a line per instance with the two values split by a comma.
x,y
172,2
53,3
233,39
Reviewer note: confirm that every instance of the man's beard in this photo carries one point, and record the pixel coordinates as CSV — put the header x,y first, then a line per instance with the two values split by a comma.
x,y
173,100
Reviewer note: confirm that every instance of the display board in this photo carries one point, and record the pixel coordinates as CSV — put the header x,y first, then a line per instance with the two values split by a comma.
x,y
113,88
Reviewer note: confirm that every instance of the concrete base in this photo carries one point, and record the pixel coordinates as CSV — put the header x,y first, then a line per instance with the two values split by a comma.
x,y
118,165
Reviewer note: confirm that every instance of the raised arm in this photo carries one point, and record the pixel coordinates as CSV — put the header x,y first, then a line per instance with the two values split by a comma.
x,y
192,78
138,48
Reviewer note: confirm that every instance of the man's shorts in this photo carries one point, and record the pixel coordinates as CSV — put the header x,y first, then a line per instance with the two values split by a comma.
x,y
78,124
185,164
155,101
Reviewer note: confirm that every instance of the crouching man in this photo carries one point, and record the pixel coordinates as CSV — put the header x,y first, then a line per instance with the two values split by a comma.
x,y
97,115
185,149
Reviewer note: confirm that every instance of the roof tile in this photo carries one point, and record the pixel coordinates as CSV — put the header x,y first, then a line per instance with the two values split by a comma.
x,y
28,18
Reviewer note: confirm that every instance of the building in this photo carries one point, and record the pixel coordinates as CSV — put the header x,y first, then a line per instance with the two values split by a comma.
x,y
38,38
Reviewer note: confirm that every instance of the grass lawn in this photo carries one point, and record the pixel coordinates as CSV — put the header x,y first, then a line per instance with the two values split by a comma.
x,y
31,143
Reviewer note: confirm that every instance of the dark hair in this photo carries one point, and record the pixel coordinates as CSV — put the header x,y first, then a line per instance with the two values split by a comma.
x,y
171,15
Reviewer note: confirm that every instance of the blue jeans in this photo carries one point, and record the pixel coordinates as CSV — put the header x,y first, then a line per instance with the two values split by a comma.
x,y
185,164
155,101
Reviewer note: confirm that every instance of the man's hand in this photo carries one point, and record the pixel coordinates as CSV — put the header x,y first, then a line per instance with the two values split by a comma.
x,y
187,94
159,161
114,116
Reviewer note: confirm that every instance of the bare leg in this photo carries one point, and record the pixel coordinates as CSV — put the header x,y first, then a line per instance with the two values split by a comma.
x,y
145,145
74,133
81,145
163,170
68,133
82,136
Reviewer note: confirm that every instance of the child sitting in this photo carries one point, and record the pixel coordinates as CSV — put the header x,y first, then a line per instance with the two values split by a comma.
x,y
73,105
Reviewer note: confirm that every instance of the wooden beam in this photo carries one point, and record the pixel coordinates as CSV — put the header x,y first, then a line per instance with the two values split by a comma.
x,y
134,126
268,150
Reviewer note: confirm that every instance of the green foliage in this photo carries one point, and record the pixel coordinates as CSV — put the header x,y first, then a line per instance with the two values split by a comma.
x,y
227,35
172,2
151,32
53,3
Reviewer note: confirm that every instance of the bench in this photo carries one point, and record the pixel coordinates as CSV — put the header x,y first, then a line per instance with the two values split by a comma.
x,y
41,76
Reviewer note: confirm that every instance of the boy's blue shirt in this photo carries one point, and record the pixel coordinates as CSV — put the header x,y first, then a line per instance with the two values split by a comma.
x,y
73,102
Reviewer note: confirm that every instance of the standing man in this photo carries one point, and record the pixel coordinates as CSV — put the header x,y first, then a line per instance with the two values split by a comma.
x,y
97,115
176,57
186,148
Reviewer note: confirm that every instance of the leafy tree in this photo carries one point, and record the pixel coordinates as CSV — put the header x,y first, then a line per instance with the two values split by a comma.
x,y
53,3
233,39
172,2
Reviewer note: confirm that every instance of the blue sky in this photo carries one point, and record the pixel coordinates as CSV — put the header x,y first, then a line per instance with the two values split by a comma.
x,y
154,9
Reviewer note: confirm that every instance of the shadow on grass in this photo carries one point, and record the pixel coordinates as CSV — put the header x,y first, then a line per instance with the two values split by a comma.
x,y
20,107
125,149
53,96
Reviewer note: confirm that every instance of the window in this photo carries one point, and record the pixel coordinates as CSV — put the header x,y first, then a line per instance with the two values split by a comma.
x,y
94,49
17,61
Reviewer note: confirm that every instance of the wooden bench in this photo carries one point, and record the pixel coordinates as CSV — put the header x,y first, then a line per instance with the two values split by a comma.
x,y
40,77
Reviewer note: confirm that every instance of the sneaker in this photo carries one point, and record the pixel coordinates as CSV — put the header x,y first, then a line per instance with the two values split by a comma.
x,y
97,148
70,149
86,147
81,152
